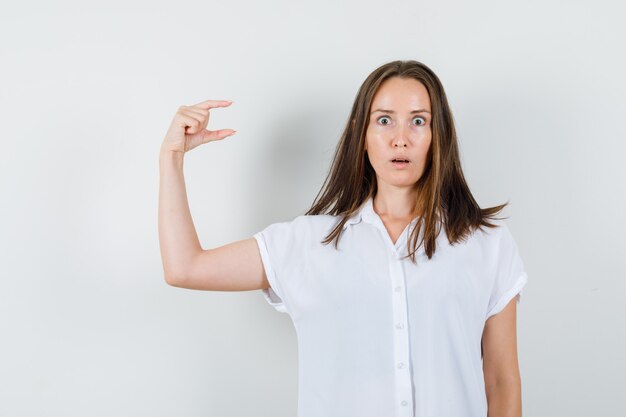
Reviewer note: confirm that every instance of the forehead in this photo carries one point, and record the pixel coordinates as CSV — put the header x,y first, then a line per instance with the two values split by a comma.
x,y
400,93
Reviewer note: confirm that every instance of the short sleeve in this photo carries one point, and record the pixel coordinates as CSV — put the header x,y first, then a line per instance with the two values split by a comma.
x,y
275,242
510,274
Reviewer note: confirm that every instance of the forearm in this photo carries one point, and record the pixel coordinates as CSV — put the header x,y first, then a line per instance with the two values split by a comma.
x,y
505,400
177,235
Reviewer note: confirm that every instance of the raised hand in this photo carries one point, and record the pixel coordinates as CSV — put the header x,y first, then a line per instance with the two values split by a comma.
x,y
188,127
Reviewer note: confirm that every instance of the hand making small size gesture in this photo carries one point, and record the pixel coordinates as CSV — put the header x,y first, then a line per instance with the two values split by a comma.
x,y
188,127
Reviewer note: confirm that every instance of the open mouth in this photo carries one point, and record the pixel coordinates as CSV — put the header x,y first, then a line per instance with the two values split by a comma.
x,y
400,163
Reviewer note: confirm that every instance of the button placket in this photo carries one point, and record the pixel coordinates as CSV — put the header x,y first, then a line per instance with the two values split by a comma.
x,y
404,393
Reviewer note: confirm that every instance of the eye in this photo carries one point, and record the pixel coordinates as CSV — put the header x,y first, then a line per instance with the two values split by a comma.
x,y
421,118
383,117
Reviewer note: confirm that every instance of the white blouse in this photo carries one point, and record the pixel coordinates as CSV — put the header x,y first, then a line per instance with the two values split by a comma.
x,y
379,336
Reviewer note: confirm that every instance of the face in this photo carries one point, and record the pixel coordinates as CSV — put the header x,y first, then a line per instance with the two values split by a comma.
x,y
399,126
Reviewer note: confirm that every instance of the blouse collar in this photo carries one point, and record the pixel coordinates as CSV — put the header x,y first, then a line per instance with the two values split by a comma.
x,y
367,214
365,211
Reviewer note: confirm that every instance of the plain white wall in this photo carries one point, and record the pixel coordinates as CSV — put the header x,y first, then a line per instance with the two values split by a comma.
x,y
88,325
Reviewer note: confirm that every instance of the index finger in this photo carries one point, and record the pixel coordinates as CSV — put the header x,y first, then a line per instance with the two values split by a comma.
x,y
209,104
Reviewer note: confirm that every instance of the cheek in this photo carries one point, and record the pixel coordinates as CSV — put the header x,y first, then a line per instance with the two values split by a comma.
x,y
377,141
370,134
373,139
423,141
424,134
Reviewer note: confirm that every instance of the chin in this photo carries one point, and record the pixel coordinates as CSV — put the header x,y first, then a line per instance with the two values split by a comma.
x,y
396,182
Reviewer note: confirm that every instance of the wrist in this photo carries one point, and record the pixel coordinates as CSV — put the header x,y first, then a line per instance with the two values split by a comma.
x,y
168,156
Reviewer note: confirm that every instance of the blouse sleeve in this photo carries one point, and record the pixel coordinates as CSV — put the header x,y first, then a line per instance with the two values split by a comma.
x,y
274,244
510,274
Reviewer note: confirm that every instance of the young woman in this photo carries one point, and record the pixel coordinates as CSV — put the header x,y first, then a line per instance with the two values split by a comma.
x,y
385,326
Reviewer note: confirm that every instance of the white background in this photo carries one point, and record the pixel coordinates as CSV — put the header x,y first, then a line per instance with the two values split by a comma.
x,y
88,326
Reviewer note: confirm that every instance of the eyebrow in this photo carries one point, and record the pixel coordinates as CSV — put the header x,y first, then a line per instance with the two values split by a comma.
x,y
391,111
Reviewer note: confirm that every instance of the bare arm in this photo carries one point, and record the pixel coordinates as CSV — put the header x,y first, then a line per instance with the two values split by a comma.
x,y
236,266
233,267
177,235
500,364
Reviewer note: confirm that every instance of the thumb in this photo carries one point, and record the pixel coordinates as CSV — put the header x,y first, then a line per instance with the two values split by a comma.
x,y
210,135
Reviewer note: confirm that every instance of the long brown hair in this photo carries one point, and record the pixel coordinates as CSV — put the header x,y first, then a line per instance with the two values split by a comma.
x,y
443,197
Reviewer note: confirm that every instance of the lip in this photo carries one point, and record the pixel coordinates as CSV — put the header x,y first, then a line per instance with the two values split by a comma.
x,y
400,165
401,156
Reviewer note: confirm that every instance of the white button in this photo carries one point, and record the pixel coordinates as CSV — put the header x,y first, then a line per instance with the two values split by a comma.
x,y
401,365
398,288
399,326
404,402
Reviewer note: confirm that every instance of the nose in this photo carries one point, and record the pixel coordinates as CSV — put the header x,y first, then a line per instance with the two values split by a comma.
x,y
400,139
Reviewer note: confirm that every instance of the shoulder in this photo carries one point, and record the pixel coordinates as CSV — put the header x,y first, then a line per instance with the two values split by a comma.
x,y
302,227
492,235
497,242
304,221
485,241
313,228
